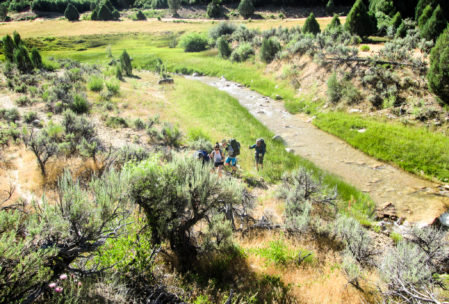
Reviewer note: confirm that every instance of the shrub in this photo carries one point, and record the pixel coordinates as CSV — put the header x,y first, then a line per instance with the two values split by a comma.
x,y
8,48
23,101
184,193
95,83
224,50
246,8
365,48
243,34
270,47
42,146
71,13
311,25
242,52
170,136
193,42
334,88
22,59
425,16
105,11
223,28
11,115
80,105
140,15
201,144
116,122
36,58
113,86
30,117
125,63
435,25
213,9
438,75
359,22
139,124
3,12
396,21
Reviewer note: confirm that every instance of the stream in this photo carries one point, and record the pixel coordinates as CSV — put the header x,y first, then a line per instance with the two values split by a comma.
x,y
415,199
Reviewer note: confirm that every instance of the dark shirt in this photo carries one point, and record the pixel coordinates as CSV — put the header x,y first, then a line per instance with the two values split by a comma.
x,y
259,149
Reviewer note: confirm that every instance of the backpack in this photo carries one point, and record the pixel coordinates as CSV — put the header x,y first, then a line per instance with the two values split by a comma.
x,y
263,145
202,154
235,146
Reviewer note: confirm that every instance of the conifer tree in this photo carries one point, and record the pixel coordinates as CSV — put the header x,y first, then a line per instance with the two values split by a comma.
x,y
125,62
223,47
36,58
311,25
213,9
246,8
173,6
330,7
425,16
8,48
438,75
420,7
359,22
435,25
71,13
335,23
396,20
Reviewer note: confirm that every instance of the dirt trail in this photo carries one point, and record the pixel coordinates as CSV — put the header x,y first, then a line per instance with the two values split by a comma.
x,y
415,199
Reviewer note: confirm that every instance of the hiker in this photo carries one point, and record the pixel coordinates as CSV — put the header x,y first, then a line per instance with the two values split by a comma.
x,y
260,149
232,149
218,157
203,156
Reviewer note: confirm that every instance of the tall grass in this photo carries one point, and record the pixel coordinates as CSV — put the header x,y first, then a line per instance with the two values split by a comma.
x,y
413,149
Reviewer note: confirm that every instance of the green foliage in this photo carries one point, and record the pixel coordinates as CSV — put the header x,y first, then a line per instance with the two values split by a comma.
x,y
421,6
8,48
330,7
334,24
176,196
71,13
23,101
113,86
396,21
425,16
140,15
221,29
311,25
95,83
224,50
438,75
270,47
358,21
169,136
193,42
61,5
173,6
116,122
435,25
10,115
105,11
36,58
396,237
242,52
16,38
30,117
365,48
334,89
42,146
213,9
197,134
3,12
279,254
246,8
22,59
80,105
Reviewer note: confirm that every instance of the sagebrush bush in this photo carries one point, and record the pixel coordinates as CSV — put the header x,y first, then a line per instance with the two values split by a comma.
x,y
193,42
113,86
223,28
201,144
334,88
242,52
95,83
270,47
30,117
23,101
224,50
80,105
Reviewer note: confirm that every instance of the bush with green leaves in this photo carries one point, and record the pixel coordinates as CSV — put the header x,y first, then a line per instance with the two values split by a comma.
x,y
243,34
201,144
224,50
173,6
105,11
59,237
71,13
30,117
270,47
36,58
113,86
311,25
213,9
125,63
3,12
221,29
334,24
23,101
95,83
193,42
334,88
246,8
10,115
178,195
359,21
80,105
169,135
425,16
242,52
438,75
140,16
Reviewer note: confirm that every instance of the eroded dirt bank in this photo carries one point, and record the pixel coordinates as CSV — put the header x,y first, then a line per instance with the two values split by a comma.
x,y
415,199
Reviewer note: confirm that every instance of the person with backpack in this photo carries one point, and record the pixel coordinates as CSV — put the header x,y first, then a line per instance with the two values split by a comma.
x,y
260,149
218,157
203,156
232,149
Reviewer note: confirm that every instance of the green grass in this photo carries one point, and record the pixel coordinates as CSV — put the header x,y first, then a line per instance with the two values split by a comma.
x,y
218,116
413,149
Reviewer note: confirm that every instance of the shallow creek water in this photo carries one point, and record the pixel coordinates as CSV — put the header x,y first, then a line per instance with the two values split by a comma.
x,y
415,199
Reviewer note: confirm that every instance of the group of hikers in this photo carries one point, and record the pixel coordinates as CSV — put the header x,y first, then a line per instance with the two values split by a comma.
x,y
225,154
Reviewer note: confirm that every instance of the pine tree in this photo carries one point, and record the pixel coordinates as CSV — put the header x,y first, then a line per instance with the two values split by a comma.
x,y
420,7
3,11
16,38
213,9
311,25
173,6
140,16
22,59
71,13
8,48
330,7
425,16
246,8
223,47
358,21
438,75
396,20
335,23
435,25
36,58
125,62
